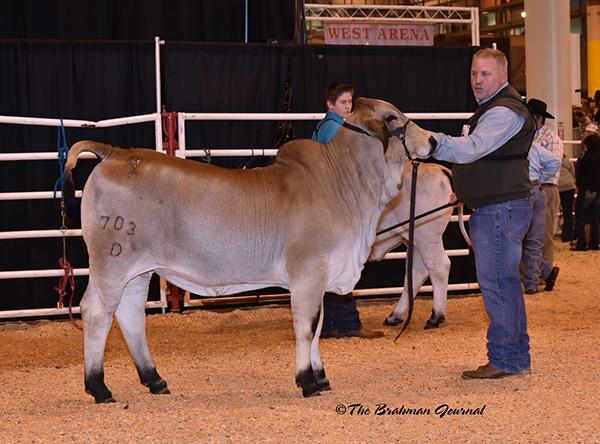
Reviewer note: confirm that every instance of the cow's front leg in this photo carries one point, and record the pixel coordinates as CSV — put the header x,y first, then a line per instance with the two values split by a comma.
x,y
131,316
420,274
97,320
306,301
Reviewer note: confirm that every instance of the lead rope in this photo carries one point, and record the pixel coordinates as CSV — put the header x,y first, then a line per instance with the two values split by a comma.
x,y
427,213
68,278
410,251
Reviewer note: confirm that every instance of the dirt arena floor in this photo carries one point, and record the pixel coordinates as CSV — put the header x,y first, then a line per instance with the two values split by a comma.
x,y
231,374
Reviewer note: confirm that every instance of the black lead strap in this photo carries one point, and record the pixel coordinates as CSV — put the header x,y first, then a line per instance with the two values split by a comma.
x,y
409,254
427,213
356,129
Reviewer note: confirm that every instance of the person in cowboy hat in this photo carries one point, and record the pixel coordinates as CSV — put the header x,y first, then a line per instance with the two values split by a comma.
x,y
548,140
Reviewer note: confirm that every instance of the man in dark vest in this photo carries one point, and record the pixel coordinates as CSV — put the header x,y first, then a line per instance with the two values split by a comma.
x,y
491,177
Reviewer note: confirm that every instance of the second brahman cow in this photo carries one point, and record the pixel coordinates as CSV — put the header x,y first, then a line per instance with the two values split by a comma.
x,y
434,189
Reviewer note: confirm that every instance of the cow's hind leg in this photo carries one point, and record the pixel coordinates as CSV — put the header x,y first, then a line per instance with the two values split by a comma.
x,y
131,316
97,309
438,264
419,276
306,301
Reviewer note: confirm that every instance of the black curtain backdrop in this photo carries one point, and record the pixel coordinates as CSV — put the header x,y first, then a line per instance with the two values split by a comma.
x,y
98,80
252,78
177,20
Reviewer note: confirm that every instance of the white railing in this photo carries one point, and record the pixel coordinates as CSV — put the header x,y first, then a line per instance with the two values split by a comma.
x,y
182,119
36,195
182,152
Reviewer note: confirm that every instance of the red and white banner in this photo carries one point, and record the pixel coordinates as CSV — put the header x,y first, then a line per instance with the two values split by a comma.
x,y
378,34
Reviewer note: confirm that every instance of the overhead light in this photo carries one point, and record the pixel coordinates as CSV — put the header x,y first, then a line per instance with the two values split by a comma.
x,y
523,14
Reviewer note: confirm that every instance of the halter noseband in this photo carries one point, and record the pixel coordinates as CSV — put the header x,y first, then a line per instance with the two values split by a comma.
x,y
400,133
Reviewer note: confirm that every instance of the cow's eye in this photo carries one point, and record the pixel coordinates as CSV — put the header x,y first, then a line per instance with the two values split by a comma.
x,y
389,119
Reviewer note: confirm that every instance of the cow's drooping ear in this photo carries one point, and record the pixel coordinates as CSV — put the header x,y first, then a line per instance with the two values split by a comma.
x,y
378,129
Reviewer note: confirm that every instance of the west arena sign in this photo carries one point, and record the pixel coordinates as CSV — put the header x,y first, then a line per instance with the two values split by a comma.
x,y
378,34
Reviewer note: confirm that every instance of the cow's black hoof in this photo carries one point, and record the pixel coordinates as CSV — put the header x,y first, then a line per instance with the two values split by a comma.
x,y
324,386
101,397
159,387
151,379
94,385
306,380
311,390
163,391
391,321
321,380
434,322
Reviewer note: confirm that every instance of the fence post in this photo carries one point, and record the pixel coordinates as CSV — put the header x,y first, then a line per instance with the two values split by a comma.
x,y
170,144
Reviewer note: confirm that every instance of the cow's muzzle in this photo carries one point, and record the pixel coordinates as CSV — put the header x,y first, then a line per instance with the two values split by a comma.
x,y
433,144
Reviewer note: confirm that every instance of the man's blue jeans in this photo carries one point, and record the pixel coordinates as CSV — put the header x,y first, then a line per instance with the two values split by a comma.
x,y
534,264
497,233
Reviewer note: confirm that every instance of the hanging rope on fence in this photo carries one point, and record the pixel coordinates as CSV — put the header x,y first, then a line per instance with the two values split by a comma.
x,y
68,278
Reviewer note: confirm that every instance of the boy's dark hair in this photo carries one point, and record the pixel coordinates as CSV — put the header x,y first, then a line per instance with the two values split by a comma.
x,y
592,142
336,89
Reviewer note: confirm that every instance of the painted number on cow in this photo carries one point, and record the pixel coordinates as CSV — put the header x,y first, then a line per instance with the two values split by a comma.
x,y
117,223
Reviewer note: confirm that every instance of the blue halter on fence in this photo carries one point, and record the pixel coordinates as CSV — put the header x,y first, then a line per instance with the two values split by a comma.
x,y
63,149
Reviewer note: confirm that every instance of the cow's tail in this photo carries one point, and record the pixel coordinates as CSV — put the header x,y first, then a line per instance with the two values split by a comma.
x,y
461,225
99,149
459,210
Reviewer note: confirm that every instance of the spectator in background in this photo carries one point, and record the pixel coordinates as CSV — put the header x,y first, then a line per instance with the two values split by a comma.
x,y
543,165
580,121
549,141
341,317
596,118
566,191
587,178
588,106
590,128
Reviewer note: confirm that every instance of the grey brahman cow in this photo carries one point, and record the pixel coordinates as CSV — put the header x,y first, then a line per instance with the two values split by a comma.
x,y
306,223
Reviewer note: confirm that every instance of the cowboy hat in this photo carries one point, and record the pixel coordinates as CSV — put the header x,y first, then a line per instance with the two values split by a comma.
x,y
538,108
